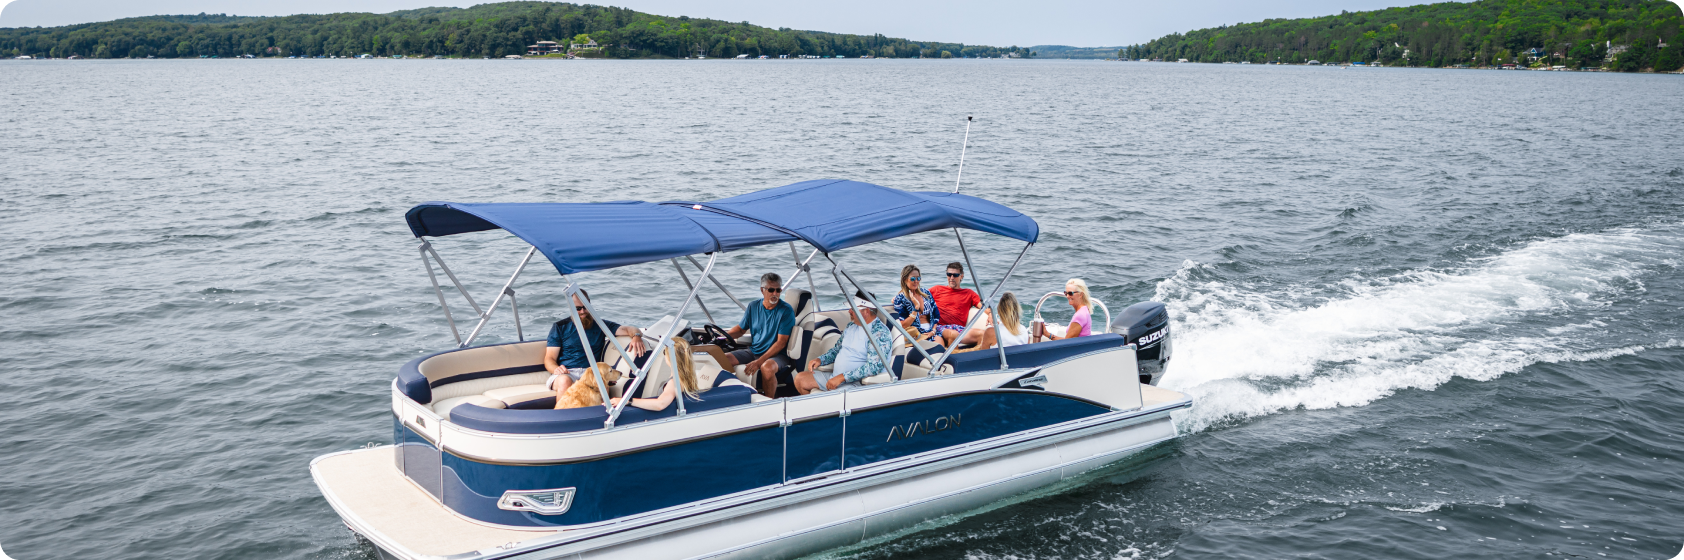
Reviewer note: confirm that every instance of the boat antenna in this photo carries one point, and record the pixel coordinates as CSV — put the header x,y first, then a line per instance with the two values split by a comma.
x,y
962,146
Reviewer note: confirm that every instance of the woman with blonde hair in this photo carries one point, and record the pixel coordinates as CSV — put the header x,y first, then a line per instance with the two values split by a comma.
x,y
1076,292
1012,332
685,376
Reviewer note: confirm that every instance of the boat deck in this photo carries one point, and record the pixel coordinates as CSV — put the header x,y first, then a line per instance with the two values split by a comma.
x,y
1152,396
365,484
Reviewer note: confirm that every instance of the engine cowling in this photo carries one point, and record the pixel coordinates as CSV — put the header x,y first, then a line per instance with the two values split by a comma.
x,y
1146,326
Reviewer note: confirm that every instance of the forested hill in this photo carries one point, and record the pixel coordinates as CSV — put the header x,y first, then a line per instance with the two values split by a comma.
x,y
485,30
1616,34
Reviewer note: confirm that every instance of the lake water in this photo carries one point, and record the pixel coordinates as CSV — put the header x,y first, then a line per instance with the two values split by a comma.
x,y
1424,313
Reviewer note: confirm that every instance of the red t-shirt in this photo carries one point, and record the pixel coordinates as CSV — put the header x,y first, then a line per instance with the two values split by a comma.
x,y
955,305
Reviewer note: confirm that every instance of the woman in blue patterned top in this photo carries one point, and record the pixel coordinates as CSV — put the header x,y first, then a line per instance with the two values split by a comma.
x,y
916,309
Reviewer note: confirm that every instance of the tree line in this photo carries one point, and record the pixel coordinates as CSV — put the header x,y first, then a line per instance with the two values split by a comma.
x,y
1623,35
488,30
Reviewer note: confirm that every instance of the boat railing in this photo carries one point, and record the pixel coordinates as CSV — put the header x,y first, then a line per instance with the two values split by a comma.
x,y
1091,299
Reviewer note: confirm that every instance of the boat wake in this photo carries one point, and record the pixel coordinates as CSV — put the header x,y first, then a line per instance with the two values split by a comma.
x,y
1243,353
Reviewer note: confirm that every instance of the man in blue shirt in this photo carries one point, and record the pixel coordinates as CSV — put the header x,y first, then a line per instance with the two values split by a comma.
x,y
565,357
770,321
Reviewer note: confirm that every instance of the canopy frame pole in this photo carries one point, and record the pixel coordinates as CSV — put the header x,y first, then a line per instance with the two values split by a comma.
x,y
664,343
854,312
515,308
440,291
428,247
611,337
802,268
590,355
687,284
716,283
992,308
678,384
881,311
991,296
485,317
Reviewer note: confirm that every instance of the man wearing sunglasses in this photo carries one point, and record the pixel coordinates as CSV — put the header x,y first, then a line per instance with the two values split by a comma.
x,y
956,304
565,358
769,321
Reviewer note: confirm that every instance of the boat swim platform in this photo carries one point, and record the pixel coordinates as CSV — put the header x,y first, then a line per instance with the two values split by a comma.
x,y
365,484
1152,396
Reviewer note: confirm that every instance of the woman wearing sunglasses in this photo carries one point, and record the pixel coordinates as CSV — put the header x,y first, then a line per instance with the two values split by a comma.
x,y
915,308
1076,292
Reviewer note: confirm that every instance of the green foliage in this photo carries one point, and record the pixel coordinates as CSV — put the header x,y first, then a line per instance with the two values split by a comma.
x,y
1575,33
492,30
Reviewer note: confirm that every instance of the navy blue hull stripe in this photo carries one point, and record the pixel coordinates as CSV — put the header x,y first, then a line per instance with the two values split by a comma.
x,y
820,484
612,455
982,392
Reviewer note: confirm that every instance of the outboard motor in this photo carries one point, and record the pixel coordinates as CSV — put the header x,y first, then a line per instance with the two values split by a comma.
x,y
1146,326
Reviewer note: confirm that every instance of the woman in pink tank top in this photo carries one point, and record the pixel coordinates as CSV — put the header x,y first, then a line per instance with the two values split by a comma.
x,y
1076,292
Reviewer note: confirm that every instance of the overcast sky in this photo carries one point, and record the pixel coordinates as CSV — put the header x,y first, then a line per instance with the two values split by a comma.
x,y
1085,23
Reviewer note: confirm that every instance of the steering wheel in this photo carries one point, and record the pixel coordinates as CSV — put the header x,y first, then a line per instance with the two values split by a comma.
x,y
717,336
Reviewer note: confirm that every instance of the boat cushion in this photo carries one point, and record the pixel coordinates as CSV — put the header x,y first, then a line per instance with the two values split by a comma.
x,y
551,421
513,397
802,302
1035,355
442,408
420,376
725,396
480,386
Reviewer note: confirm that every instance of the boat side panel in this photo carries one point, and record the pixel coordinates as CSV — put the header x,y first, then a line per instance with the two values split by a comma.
x,y
420,462
880,434
815,446
622,485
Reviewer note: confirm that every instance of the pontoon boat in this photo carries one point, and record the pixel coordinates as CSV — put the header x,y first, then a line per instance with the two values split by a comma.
x,y
484,467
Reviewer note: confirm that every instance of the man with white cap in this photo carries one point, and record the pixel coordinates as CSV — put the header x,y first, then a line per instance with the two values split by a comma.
x,y
853,357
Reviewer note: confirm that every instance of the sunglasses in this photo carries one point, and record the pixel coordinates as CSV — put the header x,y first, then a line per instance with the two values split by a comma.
x,y
1071,294
578,308
955,274
773,290
914,278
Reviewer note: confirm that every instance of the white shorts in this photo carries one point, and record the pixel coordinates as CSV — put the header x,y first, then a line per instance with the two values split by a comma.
x,y
573,373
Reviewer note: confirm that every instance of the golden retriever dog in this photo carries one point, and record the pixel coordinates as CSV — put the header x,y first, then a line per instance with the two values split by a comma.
x,y
585,393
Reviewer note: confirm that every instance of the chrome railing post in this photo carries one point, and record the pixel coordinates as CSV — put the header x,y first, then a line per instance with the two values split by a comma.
x,y
886,316
440,291
663,343
579,329
485,316
428,247
709,276
687,284
991,296
515,309
888,364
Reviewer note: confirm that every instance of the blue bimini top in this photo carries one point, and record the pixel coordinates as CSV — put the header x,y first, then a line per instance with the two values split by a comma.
x,y
834,214
829,214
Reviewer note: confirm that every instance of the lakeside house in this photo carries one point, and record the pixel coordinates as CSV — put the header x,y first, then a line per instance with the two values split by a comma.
x,y
543,48
588,44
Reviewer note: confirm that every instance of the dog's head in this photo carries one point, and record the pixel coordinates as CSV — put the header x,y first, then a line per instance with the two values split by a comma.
x,y
608,374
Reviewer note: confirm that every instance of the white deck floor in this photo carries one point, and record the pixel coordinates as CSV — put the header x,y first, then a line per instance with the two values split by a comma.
x,y
367,483
1152,396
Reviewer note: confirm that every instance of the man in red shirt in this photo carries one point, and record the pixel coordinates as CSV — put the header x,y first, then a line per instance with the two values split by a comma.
x,y
956,304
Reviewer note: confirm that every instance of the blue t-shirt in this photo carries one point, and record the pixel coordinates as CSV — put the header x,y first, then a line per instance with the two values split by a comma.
x,y
566,336
766,324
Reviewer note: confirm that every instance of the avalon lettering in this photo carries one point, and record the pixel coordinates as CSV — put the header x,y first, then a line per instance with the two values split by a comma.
x,y
927,426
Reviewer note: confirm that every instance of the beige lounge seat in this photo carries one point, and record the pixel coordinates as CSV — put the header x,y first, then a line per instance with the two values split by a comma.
x,y
443,407
515,396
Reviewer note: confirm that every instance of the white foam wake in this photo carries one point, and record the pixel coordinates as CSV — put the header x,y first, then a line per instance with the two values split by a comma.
x,y
1243,353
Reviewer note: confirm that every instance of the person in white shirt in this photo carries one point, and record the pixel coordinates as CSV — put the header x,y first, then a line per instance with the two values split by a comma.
x,y
1012,332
